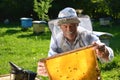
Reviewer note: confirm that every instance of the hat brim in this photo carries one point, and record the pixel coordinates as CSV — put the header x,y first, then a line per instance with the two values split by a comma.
x,y
68,20
61,21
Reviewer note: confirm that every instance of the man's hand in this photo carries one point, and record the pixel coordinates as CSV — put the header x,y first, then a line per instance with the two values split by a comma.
x,y
41,70
101,50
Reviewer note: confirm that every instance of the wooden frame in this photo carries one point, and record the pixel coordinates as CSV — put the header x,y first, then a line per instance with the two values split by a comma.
x,y
78,64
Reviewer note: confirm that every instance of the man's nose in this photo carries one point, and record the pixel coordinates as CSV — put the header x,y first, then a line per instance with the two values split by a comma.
x,y
69,28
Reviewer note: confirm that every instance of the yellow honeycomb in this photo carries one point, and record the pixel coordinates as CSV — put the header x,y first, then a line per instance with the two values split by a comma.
x,y
79,64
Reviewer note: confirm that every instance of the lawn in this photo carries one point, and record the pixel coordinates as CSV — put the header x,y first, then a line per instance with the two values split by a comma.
x,y
25,49
22,47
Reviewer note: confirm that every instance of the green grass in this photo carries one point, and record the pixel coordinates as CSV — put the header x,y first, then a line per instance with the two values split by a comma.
x,y
22,47
25,49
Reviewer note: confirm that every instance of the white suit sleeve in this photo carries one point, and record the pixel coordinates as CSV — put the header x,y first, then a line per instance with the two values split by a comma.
x,y
53,46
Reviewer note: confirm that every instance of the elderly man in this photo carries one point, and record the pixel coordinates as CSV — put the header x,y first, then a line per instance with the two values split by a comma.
x,y
70,38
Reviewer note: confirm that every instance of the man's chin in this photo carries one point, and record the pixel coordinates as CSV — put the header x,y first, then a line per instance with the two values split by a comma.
x,y
69,36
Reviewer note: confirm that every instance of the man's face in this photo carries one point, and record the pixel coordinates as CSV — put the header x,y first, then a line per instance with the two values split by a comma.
x,y
69,30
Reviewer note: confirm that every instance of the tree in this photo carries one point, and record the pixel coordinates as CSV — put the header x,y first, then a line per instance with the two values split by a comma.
x,y
41,7
107,8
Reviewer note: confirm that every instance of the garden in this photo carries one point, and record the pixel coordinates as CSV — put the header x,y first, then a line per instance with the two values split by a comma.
x,y
25,48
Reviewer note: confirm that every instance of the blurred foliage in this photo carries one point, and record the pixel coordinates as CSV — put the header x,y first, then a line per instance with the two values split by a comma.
x,y
14,9
41,7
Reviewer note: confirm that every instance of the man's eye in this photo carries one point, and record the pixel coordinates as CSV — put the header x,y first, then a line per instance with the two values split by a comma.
x,y
72,25
65,26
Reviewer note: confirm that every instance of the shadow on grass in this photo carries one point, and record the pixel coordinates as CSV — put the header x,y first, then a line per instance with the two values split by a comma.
x,y
9,32
28,33
43,36
12,31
